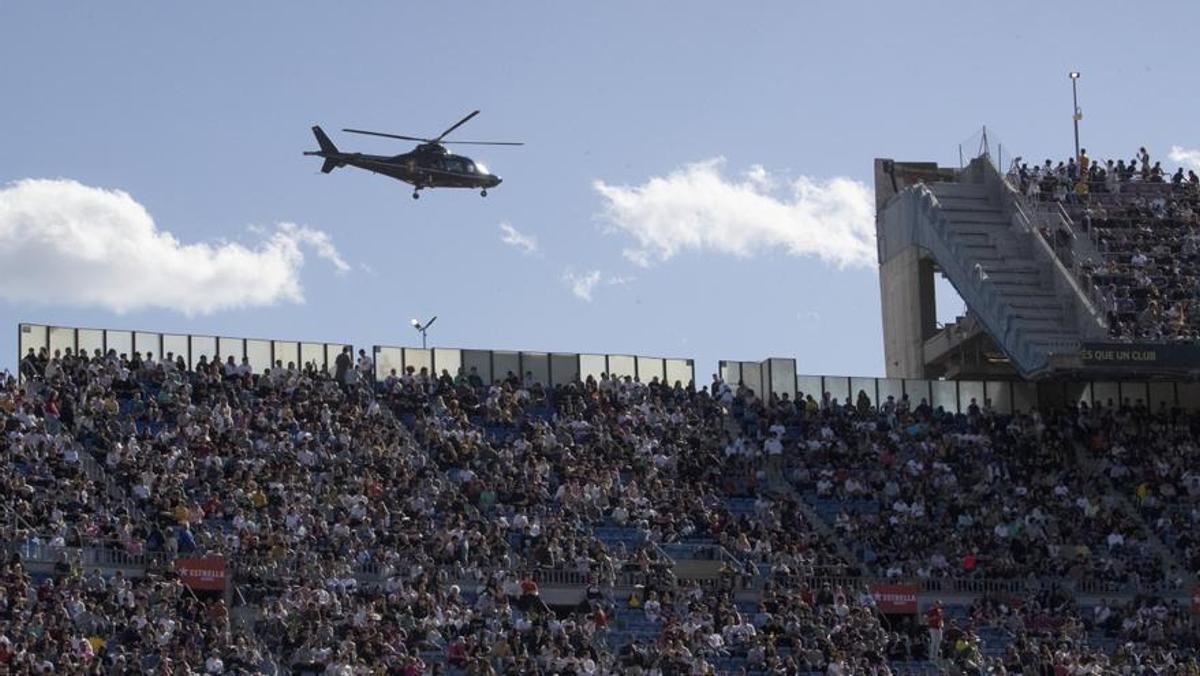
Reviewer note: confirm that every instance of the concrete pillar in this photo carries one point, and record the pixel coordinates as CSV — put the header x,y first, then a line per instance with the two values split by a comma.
x,y
909,311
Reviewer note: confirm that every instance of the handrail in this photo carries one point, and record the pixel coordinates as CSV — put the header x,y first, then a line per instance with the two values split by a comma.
x,y
1064,218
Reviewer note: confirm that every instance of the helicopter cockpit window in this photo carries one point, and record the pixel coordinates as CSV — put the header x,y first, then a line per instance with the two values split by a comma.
x,y
480,169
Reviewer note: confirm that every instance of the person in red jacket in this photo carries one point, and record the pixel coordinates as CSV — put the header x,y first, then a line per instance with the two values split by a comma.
x,y
935,622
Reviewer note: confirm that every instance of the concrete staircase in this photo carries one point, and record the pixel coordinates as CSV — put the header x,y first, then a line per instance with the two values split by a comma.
x,y
1001,257
987,244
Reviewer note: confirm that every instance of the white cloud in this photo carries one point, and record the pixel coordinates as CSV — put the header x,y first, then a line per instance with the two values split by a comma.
x,y
696,207
67,243
319,240
1189,158
582,285
513,237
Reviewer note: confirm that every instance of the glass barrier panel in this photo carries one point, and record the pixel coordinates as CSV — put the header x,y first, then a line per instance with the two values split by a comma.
x,y
1189,396
419,358
592,365
203,346
918,391
998,394
1105,395
33,337
838,388
809,386
287,354
505,364
969,390
144,342
479,363
945,395
231,347
864,385
91,340
752,377
535,366
1162,395
62,340
259,354
120,342
782,374
679,371
564,368
312,354
890,387
1134,394
387,360
731,372
175,346
621,365
650,369
1024,396
447,360
1079,393
332,350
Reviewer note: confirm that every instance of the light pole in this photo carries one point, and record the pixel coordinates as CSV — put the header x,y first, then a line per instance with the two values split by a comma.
x,y
1074,75
416,324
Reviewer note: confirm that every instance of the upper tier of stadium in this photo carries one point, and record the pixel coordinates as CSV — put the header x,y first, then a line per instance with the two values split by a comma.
x,y
1074,269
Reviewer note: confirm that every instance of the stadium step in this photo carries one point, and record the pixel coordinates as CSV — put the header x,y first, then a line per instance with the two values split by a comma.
x,y
964,215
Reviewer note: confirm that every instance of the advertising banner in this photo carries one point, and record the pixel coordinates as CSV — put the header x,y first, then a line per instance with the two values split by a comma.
x,y
206,573
1140,355
895,598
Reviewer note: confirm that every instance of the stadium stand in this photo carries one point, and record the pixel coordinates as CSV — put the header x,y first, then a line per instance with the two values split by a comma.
x,y
324,516
1137,240
1067,269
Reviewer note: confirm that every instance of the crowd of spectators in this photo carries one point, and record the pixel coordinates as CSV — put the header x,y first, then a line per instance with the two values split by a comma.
x,y
1145,226
456,496
1155,458
922,493
1051,633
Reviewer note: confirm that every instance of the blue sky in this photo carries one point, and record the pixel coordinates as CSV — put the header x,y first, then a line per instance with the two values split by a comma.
x,y
200,113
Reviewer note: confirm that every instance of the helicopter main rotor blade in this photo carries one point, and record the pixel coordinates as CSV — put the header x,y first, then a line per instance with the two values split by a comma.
x,y
485,143
379,133
456,126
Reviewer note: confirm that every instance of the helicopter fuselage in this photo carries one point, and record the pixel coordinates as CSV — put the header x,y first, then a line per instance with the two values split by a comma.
x,y
421,168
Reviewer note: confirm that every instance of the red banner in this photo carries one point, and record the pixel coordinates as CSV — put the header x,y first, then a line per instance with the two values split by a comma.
x,y
895,598
207,573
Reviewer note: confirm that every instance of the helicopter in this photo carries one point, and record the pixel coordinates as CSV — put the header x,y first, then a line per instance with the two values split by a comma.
x,y
428,165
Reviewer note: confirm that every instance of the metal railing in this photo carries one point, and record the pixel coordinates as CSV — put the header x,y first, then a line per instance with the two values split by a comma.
x,y
105,554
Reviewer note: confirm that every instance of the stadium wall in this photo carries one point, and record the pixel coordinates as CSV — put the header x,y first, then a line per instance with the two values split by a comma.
x,y
262,352
548,367
555,368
